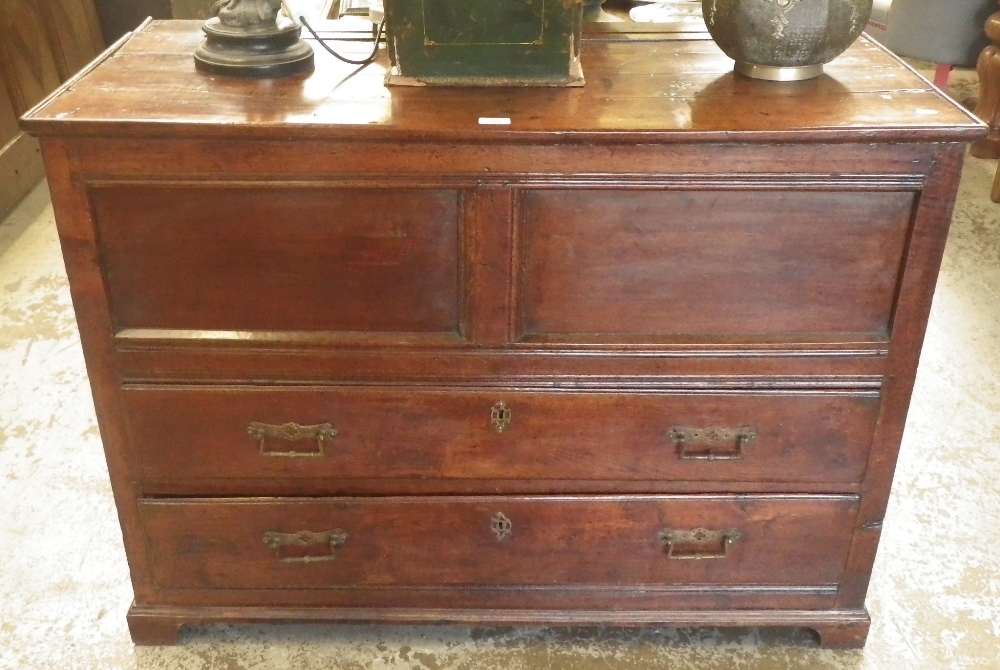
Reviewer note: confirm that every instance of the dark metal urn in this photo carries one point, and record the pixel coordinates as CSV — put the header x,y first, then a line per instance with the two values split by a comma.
x,y
784,40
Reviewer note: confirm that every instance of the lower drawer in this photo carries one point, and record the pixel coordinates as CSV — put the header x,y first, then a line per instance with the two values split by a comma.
x,y
535,540
307,441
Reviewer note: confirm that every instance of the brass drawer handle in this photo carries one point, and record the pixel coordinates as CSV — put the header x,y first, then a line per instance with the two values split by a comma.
x,y
713,443
697,544
501,416
306,546
292,432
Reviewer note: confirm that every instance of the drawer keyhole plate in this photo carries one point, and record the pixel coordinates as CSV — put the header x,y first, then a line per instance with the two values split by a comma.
x,y
501,416
503,527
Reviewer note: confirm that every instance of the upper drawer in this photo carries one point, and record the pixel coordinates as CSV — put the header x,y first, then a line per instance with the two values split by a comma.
x,y
259,441
270,259
726,264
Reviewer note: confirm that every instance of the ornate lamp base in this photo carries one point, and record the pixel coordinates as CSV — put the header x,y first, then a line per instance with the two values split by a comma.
x,y
272,52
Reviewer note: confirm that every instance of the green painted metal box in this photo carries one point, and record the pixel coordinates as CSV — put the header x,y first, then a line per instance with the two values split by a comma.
x,y
484,42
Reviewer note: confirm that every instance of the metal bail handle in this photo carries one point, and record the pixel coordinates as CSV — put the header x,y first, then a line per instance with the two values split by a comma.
x,y
292,432
306,546
712,443
697,544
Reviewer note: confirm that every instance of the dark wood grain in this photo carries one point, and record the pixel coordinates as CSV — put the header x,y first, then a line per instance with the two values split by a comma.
x,y
703,263
74,32
27,64
555,540
186,438
643,98
281,259
671,245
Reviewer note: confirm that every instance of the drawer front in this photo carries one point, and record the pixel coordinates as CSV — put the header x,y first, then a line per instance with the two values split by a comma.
x,y
727,264
281,259
622,540
189,440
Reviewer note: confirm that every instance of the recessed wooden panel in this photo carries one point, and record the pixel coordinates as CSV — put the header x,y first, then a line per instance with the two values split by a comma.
x,y
196,440
710,263
230,544
279,259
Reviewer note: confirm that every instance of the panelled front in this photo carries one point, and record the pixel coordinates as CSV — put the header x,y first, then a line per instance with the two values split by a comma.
x,y
299,273
547,540
631,264
261,258
256,440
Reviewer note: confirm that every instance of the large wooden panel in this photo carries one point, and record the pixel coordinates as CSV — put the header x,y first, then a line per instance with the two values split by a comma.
x,y
26,60
651,264
280,259
196,440
232,544
74,33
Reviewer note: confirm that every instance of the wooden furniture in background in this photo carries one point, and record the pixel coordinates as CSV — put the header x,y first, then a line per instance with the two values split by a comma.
x,y
42,43
642,355
988,108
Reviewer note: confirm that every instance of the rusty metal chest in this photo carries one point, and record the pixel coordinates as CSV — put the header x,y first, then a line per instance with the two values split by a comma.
x,y
484,42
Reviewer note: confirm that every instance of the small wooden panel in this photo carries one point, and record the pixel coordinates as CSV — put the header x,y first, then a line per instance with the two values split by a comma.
x,y
321,543
661,264
196,440
279,259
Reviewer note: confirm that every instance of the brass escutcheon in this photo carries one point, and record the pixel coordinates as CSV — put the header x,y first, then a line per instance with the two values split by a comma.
x,y
501,416
292,432
503,527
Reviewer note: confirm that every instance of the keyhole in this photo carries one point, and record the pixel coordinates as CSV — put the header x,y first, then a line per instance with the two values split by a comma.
x,y
500,417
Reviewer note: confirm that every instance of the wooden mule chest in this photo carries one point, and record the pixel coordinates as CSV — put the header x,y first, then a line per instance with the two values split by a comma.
x,y
641,355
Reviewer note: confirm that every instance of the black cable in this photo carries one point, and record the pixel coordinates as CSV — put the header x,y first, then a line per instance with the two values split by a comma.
x,y
366,61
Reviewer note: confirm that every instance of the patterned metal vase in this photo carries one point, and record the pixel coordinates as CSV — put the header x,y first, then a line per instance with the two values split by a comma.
x,y
784,40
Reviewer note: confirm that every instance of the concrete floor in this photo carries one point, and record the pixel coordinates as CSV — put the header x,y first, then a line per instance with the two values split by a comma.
x,y
64,589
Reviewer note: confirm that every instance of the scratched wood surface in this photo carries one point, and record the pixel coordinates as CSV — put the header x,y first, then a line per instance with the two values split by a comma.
x,y
665,89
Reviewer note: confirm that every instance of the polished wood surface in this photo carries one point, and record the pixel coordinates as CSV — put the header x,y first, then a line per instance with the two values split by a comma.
x,y
523,320
193,440
308,259
553,540
633,88
619,263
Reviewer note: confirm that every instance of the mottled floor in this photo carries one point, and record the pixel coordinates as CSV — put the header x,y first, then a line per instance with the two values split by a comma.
x,y
64,590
